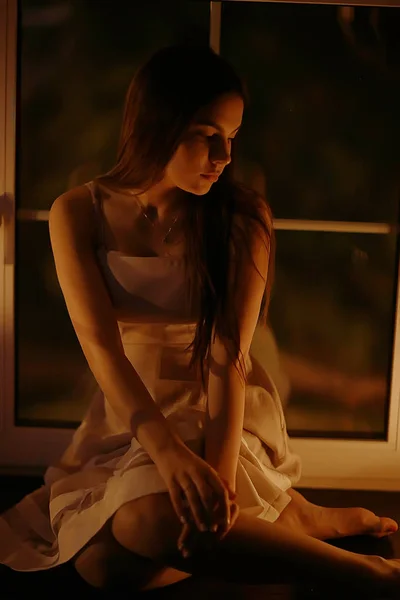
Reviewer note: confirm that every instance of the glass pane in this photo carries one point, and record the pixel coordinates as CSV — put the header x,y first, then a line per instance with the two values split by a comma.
x,y
77,58
54,382
320,138
332,313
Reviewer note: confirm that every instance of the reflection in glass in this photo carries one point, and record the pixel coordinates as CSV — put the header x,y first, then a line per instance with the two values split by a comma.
x,y
320,138
77,59
54,383
332,312
320,141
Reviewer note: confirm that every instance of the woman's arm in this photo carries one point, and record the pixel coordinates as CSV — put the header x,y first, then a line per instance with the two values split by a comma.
x,y
226,389
72,237
224,422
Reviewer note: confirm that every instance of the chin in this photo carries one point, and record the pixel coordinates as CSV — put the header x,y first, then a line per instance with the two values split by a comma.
x,y
202,188
198,192
205,185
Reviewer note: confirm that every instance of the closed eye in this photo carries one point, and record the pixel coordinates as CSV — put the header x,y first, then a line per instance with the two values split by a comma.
x,y
215,136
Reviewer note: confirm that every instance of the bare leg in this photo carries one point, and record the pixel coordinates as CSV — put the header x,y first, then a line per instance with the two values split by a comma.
x,y
103,561
329,523
104,564
253,552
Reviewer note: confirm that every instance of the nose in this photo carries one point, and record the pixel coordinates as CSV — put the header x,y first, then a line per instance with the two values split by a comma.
x,y
220,152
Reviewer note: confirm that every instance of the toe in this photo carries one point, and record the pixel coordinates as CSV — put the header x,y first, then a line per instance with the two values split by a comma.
x,y
385,527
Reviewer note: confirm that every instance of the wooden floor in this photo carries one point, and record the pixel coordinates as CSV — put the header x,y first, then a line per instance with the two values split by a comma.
x,y
65,582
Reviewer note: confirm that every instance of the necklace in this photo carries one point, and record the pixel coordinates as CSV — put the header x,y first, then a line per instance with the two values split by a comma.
x,y
152,223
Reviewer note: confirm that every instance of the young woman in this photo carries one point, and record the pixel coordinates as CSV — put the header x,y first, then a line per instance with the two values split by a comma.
x,y
182,463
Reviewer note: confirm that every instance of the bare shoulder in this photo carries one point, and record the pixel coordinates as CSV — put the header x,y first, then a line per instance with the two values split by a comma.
x,y
72,227
75,201
72,212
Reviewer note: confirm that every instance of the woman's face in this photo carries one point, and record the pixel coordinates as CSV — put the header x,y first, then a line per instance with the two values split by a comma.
x,y
206,147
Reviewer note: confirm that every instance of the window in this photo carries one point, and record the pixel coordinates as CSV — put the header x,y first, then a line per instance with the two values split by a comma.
x,y
319,139
77,59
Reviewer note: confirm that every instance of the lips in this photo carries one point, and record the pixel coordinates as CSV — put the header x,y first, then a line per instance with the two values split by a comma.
x,y
211,176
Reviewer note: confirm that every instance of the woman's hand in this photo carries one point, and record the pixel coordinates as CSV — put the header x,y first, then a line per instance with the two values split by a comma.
x,y
198,494
190,538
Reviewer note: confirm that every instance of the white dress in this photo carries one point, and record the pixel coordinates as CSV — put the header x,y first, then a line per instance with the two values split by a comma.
x,y
104,467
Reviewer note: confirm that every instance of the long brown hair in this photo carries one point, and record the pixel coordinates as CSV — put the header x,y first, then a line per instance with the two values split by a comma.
x,y
163,98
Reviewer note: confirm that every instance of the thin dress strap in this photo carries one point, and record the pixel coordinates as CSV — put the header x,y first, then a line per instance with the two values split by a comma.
x,y
99,213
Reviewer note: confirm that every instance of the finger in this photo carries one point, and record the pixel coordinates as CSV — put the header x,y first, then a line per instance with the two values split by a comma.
x,y
223,531
188,540
184,537
209,501
178,502
196,506
191,538
232,494
222,512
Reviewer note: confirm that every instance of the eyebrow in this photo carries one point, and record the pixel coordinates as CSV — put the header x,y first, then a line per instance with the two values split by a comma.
x,y
213,124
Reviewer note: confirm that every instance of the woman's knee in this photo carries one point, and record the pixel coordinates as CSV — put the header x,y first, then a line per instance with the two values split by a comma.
x,y
147,526
104,564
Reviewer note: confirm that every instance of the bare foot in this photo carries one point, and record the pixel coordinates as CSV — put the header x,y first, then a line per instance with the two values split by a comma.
x,y
329,523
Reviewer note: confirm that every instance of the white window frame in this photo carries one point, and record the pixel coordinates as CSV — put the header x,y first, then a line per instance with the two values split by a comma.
x,y
327,463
